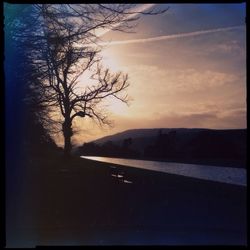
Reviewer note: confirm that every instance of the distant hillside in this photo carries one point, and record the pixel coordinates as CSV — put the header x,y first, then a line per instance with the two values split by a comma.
x,y
145,135
181,144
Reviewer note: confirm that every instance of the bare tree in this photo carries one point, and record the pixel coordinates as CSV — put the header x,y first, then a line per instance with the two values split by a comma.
x,y
64,46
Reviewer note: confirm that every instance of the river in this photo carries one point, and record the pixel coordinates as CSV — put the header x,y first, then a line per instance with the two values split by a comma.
x,y
236,176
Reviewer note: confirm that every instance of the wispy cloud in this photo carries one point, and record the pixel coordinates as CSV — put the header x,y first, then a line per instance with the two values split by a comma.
x,y
174,36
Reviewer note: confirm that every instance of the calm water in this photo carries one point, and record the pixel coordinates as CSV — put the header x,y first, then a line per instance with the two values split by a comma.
x,y
235,176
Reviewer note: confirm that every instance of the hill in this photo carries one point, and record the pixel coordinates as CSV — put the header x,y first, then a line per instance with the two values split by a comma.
x,y
145,136
179,144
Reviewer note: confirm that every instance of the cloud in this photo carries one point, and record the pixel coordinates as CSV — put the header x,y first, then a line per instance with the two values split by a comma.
x,y
152,78
174,36
189,120
217,119
207,119
194,80
235,47
208,116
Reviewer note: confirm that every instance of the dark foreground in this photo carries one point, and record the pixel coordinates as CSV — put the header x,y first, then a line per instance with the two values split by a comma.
x,y
79,203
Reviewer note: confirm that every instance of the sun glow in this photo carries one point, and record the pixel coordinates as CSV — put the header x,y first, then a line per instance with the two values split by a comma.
x,y
110,61
117,107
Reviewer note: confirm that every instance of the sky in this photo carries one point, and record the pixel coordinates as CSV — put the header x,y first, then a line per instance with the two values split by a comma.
x,y
186,68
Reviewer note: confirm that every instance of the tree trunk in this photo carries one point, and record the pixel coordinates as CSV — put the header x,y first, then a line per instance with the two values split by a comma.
x,y
67,133
67,145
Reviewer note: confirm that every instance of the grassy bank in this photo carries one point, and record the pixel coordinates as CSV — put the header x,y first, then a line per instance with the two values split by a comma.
x,y
78,202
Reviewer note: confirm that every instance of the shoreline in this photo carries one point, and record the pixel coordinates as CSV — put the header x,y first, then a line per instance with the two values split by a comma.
x,y
207,162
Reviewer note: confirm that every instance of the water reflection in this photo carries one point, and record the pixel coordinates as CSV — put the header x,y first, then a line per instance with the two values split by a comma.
x,y
229,175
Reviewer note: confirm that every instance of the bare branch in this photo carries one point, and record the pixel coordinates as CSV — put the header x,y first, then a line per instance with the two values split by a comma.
x,y
60,52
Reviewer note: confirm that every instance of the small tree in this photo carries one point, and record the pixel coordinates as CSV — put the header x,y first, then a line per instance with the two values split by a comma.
x,y
64,46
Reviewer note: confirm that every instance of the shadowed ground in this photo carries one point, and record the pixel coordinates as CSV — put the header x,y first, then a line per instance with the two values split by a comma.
x,y
78,202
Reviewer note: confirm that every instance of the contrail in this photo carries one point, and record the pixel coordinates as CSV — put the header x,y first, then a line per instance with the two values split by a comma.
x,y
174,36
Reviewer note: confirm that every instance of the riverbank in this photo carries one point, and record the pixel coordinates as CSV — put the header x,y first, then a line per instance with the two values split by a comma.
x,y
79,202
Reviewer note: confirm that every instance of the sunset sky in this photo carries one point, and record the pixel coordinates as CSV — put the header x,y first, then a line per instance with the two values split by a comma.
x,y
186,67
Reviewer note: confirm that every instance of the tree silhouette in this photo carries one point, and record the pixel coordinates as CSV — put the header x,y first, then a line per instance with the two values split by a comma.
x,y
63,47
19,74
